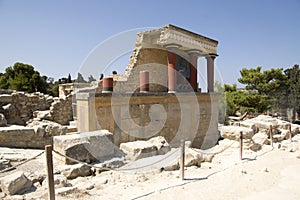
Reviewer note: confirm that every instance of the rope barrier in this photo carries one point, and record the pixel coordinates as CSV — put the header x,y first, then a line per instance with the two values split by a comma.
x,y
84,163
214,153
110,169
22,163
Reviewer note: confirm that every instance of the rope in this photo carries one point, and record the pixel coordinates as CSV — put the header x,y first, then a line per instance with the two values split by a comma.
x,y
14,167
84,163
105,168
214,153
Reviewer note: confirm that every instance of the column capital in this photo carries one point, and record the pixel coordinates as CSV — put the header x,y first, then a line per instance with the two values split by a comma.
x,y
194,52
213,56
172,46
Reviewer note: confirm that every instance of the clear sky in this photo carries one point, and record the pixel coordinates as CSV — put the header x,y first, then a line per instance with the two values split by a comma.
x,y
56,36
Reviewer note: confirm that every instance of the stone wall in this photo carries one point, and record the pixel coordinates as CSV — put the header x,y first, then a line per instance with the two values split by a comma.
x,y
22,137
61,110
192,116
19,107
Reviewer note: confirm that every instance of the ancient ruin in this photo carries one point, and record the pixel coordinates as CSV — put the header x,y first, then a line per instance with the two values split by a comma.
x,y
158,95
122,133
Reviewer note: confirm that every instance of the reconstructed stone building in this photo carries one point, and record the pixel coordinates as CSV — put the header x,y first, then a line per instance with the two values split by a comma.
x,y
158,94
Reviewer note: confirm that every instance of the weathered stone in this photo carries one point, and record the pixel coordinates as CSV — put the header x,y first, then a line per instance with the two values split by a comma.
x,y
47,128
20,136
65,190
5,98
41,115
295,129
233,132
77,170
263,122
4,164
255,146
16,183
260,138
171,167
60,181
112,163
248,124
87,147
192,157
3,121
208,157
162,145
138,149
142,149
283,134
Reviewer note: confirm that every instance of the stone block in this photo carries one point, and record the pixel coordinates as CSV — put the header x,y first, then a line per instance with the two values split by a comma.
x,y
16,183
3,121
86,147
192,158
5,98
142,149
233,132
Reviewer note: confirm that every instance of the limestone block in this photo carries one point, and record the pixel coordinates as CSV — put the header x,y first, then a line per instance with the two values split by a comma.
x,y
65,190
77,170
255,146
260,138
283,134
5,98
248,124
192,157
263,122
4,164
295,129
44,114
86,147
233,132
16,183
142,149
3,121
161,143
138,149
282,124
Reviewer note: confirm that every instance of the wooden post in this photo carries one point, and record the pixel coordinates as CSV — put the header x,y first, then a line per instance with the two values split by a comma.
x,y
290,129
271,135
182,158
49,161
241,145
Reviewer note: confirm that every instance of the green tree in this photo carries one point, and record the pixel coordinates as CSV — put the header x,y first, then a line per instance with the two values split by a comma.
x,y
293,88
266,82
69,78
23,77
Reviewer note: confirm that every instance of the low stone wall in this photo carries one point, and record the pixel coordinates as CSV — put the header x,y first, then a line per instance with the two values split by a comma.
x,y
191,116
22,137
18,107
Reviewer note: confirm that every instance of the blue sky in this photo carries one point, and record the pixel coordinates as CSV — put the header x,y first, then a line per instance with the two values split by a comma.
x,y
57,36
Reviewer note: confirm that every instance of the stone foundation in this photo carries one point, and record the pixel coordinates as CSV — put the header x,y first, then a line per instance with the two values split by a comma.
x,y
131,117
22,137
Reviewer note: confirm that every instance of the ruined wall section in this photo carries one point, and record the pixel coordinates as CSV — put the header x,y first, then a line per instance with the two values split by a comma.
x,y
19,108
61,110
200,126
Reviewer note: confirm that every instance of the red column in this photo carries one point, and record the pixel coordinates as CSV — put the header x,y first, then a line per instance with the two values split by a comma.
x,y
210,73
144,81
193,71
171,71
107,85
